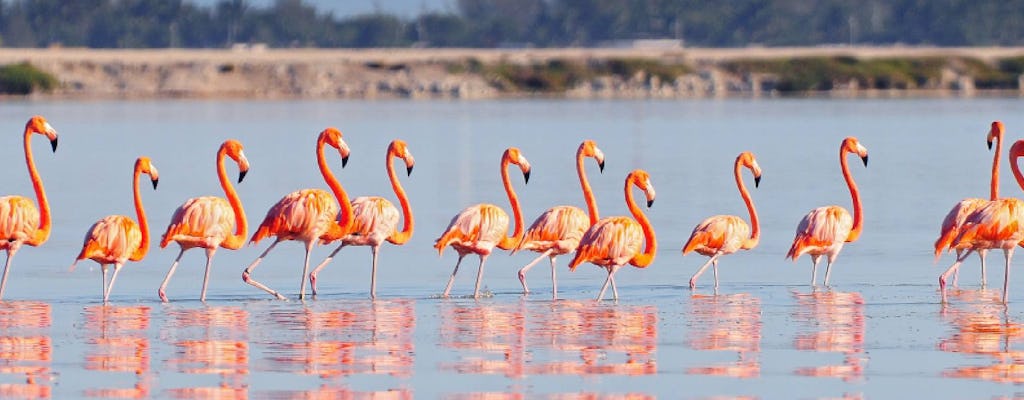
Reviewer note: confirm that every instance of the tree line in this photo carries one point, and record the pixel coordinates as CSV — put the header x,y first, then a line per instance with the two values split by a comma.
x,y
513,23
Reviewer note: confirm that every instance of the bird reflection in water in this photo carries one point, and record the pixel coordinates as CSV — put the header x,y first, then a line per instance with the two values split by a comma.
x,y
727,323
117,342
982,327
209,341
26,351
832,322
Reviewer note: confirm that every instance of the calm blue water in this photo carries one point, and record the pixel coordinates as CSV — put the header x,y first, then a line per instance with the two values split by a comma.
x,y
880,331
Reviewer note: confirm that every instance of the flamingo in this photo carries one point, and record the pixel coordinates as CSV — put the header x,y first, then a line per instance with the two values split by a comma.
x,y
824,230
20,221
477,229
612,242
306,215
207,221
117,239
559,229
954,220
999,224
375,219
725,234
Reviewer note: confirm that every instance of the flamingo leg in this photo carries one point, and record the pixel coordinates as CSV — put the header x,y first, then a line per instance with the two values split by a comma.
x,y
479,276
715,267
615,290
247,274
611,280
828,270
206,275
163,286
522,271
981,254
373,272
693,279
952,269
312,275
814,269
554,280
1006,276
103,269
110,286
305,270
7,266
451,280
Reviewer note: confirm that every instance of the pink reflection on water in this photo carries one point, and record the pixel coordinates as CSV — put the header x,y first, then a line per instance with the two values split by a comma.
x,y
727,323
559,396
332,393
26,350
832,322
981,326
117,342
210,341
564,337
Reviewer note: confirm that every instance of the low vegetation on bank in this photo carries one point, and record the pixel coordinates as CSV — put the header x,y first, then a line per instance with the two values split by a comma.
x,y
23,78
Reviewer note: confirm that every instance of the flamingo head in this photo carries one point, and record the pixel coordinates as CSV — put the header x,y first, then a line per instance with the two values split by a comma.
x,y
233,148
399,149
589,149
642,180
852,145
514,156
747,159
145,166
995,133
38,124
332,137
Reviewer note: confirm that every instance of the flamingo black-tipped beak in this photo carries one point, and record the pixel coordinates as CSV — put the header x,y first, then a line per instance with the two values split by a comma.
x,y
865,158
650,203
241,175
526,176
53,145
989,142
155,181
600,166
757,181
344,161
408,170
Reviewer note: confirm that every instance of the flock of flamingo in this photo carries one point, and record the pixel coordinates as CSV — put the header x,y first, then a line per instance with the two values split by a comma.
x,y
313,216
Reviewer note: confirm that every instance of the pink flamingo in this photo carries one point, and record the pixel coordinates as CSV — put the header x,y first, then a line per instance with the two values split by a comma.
x,y
20,221
477,229
306,215
824,230
725,234
376,219
954,220
612,242
117,239
559,229
999,224
207,221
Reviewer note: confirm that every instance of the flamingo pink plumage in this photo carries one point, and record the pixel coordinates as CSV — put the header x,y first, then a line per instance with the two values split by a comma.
x,y
477,229
375,219
559,229
117,239
207,221
725,234
20,221
824,230
612,242
956,217
306,215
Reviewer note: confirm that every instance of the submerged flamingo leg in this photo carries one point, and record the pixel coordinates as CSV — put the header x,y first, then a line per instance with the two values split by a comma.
x,y
715,267
247,274
693,279
163,286
305,270
312,275
522,271
110,286
981,254
451,280
554,279
373,272
814,269
103,275
1006,276
952,269
479,276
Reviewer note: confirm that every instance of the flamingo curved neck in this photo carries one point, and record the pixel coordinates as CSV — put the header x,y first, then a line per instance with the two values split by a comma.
x,y
342,224
588,193
42,233
858,217
1016,153
235,241
650,242
140,214
994,186
755,226
510,242
405,234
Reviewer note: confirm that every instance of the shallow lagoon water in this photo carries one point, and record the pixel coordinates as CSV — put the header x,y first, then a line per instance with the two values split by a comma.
x,y
880,331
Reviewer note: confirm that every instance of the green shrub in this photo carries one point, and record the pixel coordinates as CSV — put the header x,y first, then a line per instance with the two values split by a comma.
x,y
24,78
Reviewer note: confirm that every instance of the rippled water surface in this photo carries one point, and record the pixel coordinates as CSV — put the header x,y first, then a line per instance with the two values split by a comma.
x,y
879,331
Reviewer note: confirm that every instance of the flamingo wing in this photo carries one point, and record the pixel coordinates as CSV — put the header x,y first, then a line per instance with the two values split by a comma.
x,y
954,221
19,219
481,226
375,219
301,215
998,224
610,241
111,240
560,228
821,229
201,221
720,233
